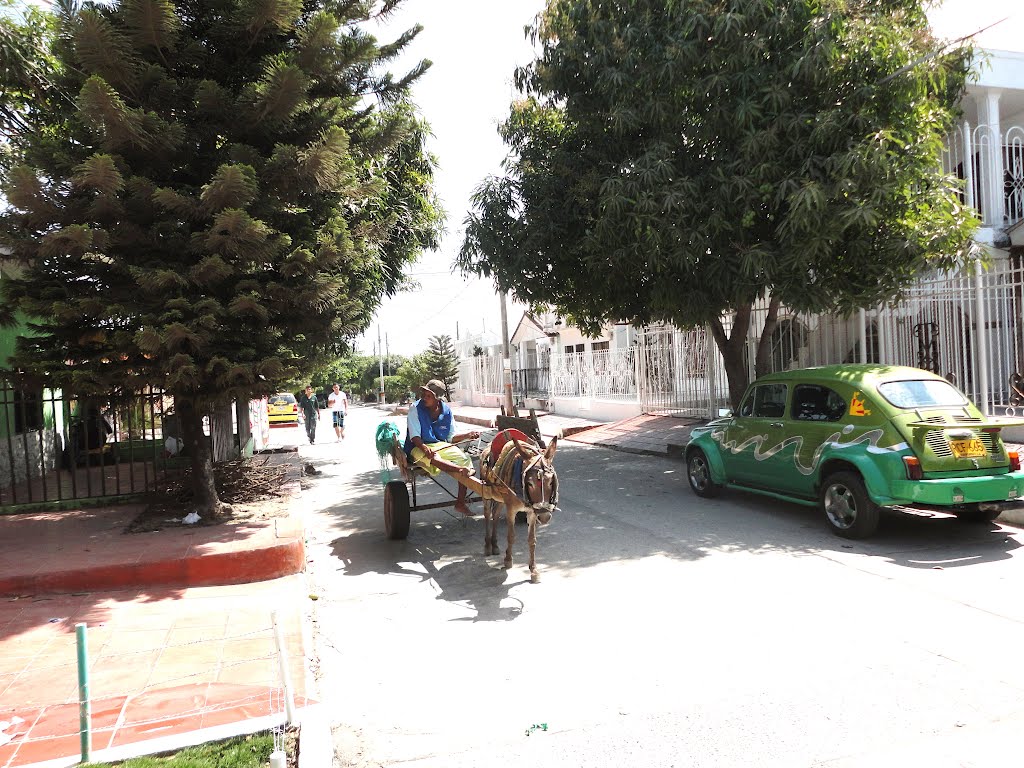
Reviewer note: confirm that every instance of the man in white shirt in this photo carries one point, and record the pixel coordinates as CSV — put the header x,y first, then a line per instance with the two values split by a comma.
x,y
337,401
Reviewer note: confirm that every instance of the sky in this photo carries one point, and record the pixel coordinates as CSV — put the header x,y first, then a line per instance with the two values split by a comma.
x,y
475,46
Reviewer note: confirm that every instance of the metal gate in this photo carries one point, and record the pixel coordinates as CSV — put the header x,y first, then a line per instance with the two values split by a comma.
x,y
56,446
679,373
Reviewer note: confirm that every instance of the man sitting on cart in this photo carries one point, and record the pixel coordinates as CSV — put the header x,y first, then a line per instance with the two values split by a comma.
x,y
429,438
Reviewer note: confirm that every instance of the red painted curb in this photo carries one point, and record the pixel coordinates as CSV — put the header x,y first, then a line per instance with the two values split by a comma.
x,y
217,568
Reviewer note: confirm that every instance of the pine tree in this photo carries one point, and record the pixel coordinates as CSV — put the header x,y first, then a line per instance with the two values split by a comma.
x,y
442,362
233,189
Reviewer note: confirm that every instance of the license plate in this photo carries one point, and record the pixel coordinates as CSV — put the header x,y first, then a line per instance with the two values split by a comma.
x,y
967,449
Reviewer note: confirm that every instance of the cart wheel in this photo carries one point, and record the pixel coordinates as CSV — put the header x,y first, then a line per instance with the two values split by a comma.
x,y
396,509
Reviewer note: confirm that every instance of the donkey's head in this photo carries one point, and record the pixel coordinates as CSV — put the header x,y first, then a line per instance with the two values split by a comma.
x,y
540,483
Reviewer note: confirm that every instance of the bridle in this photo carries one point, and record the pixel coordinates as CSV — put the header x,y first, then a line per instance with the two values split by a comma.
x,y
537,471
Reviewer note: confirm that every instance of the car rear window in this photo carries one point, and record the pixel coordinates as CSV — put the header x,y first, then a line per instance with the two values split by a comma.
x,y
921,393
813,402
287,398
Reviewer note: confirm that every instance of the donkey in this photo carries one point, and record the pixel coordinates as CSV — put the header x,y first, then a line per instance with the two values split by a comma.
x,y
524,476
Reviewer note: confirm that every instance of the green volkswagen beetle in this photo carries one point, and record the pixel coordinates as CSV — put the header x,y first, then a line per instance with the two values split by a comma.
x,y
855,438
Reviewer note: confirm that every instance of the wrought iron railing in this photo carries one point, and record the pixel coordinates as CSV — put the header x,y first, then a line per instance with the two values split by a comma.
x,y
57,446
530,383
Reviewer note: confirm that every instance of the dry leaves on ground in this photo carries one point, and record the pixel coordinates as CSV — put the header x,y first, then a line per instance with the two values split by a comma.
x,y
251,489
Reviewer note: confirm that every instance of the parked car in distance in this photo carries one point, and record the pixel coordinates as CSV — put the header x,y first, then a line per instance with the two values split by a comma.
x,y
283,408
854,439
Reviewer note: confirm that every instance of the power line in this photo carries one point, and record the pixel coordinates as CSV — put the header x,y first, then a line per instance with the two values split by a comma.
x,y
450,301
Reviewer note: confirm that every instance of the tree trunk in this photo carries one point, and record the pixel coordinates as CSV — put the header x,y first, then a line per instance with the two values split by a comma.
x,y
204,492
763,362
731,348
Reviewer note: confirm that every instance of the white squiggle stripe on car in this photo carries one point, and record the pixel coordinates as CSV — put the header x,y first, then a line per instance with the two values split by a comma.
x,y
871,437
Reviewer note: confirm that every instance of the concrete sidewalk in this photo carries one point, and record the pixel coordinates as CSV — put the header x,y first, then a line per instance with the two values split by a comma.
x,y
180,629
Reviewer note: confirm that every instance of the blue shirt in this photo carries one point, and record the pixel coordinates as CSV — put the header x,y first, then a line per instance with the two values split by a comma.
x,y
421,425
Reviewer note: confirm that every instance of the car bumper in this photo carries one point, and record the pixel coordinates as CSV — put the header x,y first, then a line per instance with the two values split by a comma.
x,y
276,418
955,491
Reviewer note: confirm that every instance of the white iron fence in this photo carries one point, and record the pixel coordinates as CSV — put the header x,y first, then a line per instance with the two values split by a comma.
x,y
481,374
607,374
965,326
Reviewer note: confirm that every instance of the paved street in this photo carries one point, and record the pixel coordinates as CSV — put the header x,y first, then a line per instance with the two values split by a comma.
x,y
666,630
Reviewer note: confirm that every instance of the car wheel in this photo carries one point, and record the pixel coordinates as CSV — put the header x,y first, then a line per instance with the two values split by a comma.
x,y
973,514
849,510
698,472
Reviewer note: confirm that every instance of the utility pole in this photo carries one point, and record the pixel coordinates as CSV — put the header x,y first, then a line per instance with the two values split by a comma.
x,y
506,359
380,347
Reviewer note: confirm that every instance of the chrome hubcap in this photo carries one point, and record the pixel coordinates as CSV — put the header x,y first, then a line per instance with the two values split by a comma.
x,y
840,506
699,477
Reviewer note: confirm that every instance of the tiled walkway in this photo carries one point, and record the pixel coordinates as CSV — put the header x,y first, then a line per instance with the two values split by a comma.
x,y
171,649
160,662
658,435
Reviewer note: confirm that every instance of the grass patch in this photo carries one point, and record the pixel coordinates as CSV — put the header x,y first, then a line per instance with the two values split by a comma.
x,y
240,752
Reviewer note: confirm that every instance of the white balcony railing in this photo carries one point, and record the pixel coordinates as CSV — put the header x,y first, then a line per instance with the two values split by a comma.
x,y
993,180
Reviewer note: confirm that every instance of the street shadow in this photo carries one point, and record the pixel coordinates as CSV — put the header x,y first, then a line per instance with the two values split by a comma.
x,y
908,538
598,485
481,587
622,507
443,547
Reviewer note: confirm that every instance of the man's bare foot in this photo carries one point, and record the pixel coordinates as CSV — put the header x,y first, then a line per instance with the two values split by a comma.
x,y
462,507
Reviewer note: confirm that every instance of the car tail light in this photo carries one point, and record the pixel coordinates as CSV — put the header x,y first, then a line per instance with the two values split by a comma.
x,y
913,465
1014,461
295,408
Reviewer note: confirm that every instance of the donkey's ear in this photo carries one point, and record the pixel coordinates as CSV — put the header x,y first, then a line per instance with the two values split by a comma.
x,y
549,452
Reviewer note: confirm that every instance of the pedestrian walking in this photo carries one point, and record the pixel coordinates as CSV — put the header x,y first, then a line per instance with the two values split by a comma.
x,y
309,406
337,401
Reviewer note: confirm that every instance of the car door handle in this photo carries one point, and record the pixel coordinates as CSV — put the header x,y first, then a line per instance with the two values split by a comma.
x,y
776,424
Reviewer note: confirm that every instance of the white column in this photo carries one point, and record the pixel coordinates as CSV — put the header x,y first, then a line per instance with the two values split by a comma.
x,y
992,194
968,149
862,334
981,338
752,339
882,322
710,366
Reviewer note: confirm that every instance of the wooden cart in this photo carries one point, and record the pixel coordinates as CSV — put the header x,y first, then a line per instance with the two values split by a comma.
x,y
400,497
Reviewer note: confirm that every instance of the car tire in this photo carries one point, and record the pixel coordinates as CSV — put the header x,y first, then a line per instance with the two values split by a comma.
x,y
848,509
396,510
975,516
698,473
